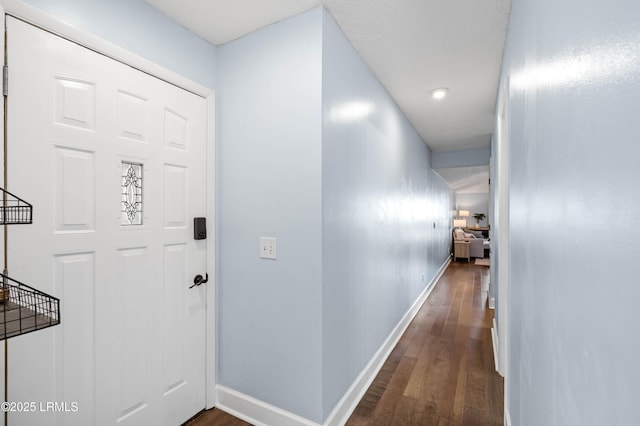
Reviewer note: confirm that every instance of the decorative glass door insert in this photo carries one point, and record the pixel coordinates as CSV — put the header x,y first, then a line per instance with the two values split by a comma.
x,y
131,194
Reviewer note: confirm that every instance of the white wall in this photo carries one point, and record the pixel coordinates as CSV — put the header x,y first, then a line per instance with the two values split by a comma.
x,y
269,177
574,68
475,202
381,201
141,29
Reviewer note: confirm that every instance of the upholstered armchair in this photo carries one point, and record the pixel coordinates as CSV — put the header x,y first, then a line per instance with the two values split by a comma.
x,y
476,245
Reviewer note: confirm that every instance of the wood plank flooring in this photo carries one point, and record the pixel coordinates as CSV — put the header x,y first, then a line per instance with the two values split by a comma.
x,y
215,417
441,372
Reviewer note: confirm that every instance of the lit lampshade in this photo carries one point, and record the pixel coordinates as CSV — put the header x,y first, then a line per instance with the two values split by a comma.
x,y
460,223
464,213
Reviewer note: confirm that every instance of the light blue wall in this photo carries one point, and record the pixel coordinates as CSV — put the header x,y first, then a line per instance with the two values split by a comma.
x,y
461,158
269,177
574,69
380,201
141,29
352,201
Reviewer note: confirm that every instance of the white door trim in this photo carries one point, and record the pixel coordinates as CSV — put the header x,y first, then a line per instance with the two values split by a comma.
x,y
210,327
502,160
38,18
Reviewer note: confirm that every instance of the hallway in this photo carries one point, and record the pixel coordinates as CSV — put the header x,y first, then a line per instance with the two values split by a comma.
x,y
441,372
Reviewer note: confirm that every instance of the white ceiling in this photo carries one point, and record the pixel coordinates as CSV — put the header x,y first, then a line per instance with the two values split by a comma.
x,y
413,46
467,180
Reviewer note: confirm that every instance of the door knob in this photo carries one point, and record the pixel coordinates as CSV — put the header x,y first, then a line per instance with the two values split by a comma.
x,y
198,280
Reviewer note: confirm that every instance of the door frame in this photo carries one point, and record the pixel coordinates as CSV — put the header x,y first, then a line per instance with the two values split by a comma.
x,y
85,39
501,204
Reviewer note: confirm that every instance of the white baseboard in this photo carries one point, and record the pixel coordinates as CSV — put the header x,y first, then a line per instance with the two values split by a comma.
x,y
261,413
507,418
256,412
496,346
492,302
354,394
496,361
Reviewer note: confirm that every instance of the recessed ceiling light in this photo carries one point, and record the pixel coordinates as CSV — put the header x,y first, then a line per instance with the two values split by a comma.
x,y
439,93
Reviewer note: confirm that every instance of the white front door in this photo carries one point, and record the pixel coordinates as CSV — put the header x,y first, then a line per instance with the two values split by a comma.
x,y
113,161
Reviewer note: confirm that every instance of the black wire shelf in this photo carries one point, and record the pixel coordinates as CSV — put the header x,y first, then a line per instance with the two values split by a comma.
x,y
14,210
24,309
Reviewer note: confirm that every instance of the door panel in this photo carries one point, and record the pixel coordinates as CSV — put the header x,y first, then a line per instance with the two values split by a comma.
x,y
74,203
113,161
74,281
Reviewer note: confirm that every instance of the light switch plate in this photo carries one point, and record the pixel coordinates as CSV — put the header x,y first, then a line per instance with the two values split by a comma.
x,y
268,248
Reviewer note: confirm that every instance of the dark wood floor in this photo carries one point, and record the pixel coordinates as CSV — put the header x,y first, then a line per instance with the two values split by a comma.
x,y
216,417
441,372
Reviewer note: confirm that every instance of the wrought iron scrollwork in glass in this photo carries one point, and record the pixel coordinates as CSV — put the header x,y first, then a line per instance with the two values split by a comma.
x,y
131,194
